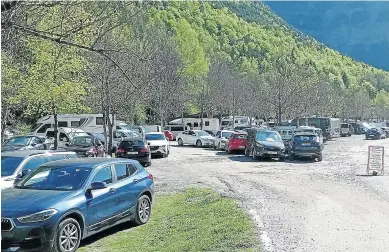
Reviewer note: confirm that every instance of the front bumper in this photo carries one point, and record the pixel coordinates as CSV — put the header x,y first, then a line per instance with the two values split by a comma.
x,y
270,153
28,237
159,150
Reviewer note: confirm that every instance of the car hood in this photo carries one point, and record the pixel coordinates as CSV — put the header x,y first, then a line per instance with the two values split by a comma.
x,y
157,142
279,144
207,137
20,202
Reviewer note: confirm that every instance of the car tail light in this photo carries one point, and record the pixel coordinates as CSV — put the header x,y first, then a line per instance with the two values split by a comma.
x,y
120,150
151,176
144,149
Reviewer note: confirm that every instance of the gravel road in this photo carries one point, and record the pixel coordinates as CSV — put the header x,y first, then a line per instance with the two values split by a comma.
x,y
300,205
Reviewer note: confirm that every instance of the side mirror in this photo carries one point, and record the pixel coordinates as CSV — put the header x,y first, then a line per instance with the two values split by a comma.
x,y
148,143
67,144
24,173
98,185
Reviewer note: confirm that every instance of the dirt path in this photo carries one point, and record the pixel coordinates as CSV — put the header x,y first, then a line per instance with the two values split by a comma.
x,y
299,206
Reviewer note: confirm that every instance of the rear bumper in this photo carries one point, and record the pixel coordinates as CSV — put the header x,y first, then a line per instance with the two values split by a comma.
x,y
305,153
141,159
237,147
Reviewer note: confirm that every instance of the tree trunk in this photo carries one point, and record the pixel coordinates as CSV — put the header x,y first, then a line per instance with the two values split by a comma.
x,y
4,120
110,131
105,131
56,130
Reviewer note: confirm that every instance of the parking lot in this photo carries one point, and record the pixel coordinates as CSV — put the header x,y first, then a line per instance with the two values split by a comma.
x,y
300,205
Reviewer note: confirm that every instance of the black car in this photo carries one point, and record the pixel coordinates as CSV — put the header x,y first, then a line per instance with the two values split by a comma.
x,y
305,144
375,133
86,146
264,143
29,142
134,148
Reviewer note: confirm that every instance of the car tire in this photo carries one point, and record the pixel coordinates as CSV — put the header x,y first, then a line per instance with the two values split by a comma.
x,y
199,143
291,157
180,142
246,152
320,158
66,226
142,215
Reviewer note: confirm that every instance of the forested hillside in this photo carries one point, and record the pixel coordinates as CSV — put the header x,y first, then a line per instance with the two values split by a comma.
x,y
359,29
156,60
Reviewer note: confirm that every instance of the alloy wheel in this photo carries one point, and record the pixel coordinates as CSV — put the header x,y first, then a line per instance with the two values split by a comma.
x,y
144,210
69,237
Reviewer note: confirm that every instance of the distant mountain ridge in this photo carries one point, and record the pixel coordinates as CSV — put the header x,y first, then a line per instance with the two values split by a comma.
x,y
357,29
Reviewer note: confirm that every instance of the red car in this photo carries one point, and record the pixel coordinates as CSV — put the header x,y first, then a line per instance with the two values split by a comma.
x,y
169,135
237,142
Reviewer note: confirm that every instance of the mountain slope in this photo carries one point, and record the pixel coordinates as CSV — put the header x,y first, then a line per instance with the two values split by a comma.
x,y
357,29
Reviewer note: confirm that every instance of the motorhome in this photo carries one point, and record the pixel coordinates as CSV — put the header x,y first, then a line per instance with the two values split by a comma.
x,y
176,129
93,123
152,128
211,124
230,122
329,126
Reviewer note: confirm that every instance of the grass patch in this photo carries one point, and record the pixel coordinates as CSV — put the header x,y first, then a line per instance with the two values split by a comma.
x,y
194,220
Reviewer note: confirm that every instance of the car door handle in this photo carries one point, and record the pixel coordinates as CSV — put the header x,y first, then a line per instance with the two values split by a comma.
x,y
112,190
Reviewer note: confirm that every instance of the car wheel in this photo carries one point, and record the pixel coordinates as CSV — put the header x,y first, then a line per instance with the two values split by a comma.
x,y
291,157
68,236
320,158
199,143
180,141
143,210
246,152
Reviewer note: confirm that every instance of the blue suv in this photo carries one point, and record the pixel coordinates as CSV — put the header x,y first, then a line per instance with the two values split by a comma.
x,y
62,202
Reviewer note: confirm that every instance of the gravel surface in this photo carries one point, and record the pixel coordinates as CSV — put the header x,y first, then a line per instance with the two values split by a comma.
x,y
300,205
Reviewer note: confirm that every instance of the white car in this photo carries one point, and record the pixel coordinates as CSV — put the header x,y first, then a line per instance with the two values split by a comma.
x,y
195,137
158,143
221,139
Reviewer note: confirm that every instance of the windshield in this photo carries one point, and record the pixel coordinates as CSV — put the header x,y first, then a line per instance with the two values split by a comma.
x,y
37,127
202,133
225,123
19,141
155,137
75,134
344,125
82,141
56,178
227,134
9,164
268,136
126,144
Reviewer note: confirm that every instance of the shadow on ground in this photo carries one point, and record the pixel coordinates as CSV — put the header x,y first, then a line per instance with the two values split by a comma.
x,y
111,231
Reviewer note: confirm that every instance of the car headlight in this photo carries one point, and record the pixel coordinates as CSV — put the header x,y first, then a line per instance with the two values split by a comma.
x,y
38,217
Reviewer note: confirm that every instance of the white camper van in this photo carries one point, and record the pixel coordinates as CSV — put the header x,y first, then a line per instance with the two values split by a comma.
x,y
230,122
175,129
211,124
93,123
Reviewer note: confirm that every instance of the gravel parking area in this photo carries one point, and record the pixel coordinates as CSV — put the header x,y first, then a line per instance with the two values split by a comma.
x,y
300,205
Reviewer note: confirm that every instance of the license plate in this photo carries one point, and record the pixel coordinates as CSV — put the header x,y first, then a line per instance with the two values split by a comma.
x,y
371,135
132,153
241,147
272,152
305,144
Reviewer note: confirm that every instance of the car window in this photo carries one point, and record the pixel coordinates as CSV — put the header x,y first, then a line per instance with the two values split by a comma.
x,y
19,141
55,157
125,144
82,141
63,137
44,128
268,136
226,134
33,163
240,136
155,136
103,175
124,170
9,164
56,178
